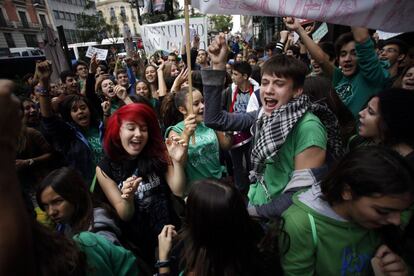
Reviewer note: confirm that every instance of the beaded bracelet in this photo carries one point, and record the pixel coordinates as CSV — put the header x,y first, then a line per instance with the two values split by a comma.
x,y
41,90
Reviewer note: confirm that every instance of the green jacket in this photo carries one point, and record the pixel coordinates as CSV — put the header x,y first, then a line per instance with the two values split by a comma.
x,y
334,247
105,258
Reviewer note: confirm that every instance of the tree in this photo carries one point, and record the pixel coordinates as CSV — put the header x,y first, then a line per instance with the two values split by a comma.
x,y
222,23
95,28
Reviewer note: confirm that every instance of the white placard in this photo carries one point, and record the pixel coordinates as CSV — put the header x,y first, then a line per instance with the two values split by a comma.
x,y
168,35
385,35
295,37
100,53
390,16
320,32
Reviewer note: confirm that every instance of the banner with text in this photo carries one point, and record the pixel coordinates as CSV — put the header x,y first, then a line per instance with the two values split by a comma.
x,y
168,35
390,16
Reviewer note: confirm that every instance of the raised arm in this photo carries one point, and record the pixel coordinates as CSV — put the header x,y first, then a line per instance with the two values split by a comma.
x,y
316,52
280,46
90,86
179,80
177,150
368,62
361,35
162,87
213,82
122,94
43,72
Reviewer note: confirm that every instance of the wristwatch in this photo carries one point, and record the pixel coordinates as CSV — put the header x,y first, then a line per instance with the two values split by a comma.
x,y
31,161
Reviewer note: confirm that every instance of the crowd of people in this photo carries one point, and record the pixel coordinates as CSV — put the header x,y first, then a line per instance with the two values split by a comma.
x,y
295,159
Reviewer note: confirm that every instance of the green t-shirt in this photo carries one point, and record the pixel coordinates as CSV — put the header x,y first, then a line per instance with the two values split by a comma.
x,y
203,157
371,77
340,248
115,104
94,140
105,258
308,132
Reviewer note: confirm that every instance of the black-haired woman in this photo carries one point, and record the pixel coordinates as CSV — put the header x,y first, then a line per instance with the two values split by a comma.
x,y
77,133
335,228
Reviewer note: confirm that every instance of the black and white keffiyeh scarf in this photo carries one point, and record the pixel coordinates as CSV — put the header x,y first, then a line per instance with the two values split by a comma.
x,y
270,133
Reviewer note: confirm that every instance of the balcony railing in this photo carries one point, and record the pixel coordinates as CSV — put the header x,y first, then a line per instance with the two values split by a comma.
x,y
27,25
6,24
39,3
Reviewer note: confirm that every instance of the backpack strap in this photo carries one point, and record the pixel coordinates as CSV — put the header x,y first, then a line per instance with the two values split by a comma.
x,y
92,187
313,228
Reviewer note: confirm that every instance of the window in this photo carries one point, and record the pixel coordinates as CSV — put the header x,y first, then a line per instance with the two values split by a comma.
x,y
9,40
25,54
68,17
36,53
3,22
73,34
23,18
56,14
112,13
123,11
67,36
61,15
31,40
73,16
43,20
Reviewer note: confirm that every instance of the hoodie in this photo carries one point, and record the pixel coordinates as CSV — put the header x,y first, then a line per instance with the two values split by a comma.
x,y
323,243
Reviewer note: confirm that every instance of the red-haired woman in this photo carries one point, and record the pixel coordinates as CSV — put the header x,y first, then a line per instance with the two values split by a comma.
x,y
139,173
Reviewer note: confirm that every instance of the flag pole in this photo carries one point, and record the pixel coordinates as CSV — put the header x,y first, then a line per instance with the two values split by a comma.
x,y
188,51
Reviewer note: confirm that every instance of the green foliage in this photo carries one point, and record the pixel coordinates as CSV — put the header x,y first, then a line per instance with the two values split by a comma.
x,y
221,23
95,28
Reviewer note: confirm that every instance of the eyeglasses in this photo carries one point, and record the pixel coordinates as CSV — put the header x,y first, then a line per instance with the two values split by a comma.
x,y
388,50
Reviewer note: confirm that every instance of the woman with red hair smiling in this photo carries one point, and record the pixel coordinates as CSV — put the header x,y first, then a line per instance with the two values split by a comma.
x,y
138,174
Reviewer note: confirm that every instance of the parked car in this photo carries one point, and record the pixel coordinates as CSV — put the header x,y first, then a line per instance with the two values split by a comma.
x,y
26,52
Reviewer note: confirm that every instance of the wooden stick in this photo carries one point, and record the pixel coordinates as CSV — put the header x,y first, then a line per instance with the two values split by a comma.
x,y
188,51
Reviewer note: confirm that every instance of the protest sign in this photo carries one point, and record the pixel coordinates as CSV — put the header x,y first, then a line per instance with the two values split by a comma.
x,y
100,53
390,16
295,37
168,35
385,36
320,32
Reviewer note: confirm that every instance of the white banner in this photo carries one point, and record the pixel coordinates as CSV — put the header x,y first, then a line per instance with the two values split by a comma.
x,y
385,15
168,35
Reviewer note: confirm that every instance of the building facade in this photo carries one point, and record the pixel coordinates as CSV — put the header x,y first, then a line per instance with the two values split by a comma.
x,y
120,13
65,12
22,23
